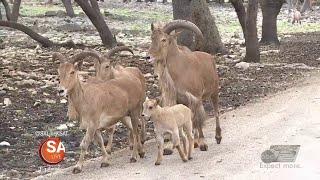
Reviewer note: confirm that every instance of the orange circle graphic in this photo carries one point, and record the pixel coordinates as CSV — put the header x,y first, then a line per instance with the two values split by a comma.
x,y
52,151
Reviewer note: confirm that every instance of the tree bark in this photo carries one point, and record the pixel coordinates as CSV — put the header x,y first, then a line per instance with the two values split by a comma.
x,y
270,10
15,10
98,21
48,1
307,6
45,42
0,14
95,5
290,5
68,5
197,11
252,45
182,10
12,16
241,13
7,9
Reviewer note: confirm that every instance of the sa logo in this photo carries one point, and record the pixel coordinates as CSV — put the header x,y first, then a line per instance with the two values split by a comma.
x,y
52,151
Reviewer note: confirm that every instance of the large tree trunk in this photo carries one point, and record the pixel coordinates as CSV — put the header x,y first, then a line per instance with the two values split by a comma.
x,y
45,42
95,5
241,13
15,10
306,6
182,10
98,21
270,10
7,9
68,5
197,11
252,45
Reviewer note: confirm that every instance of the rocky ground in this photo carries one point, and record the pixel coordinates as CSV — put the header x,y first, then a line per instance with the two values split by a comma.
x,y
31,107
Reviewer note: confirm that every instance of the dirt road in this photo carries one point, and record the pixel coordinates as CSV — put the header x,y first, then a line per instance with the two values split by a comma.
x,y
288,118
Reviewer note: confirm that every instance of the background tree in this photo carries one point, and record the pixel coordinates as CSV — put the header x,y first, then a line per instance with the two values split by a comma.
x,y
15,10
68,5
241,13
306,6
90,9
12,16
252,44
0,14
197,11
270,10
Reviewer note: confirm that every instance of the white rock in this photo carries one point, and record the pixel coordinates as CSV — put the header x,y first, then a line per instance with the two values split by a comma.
x,y
242,65
37,103
4,143
62,127
50,101
148,75
7,102
70,124
92,69
63,101
29,82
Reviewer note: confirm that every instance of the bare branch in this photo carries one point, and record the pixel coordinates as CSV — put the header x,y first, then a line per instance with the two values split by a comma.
x,y
45,42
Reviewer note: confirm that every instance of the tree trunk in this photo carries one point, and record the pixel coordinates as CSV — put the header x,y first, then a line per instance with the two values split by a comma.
x,y
241,13
197,11
252,45
182,10
307,6
45,42
95,5
98,21
68,5
49,2
15,10
270,10
7,9
0,14
290,5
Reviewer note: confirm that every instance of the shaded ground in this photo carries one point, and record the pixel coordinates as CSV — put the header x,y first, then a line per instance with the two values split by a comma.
x,y
28,76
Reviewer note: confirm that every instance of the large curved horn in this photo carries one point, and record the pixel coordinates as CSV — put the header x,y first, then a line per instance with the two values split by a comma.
x,y
80,56
59,56
116,49
177,24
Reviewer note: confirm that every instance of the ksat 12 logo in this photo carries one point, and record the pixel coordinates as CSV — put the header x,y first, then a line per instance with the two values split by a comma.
x,y
52,150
